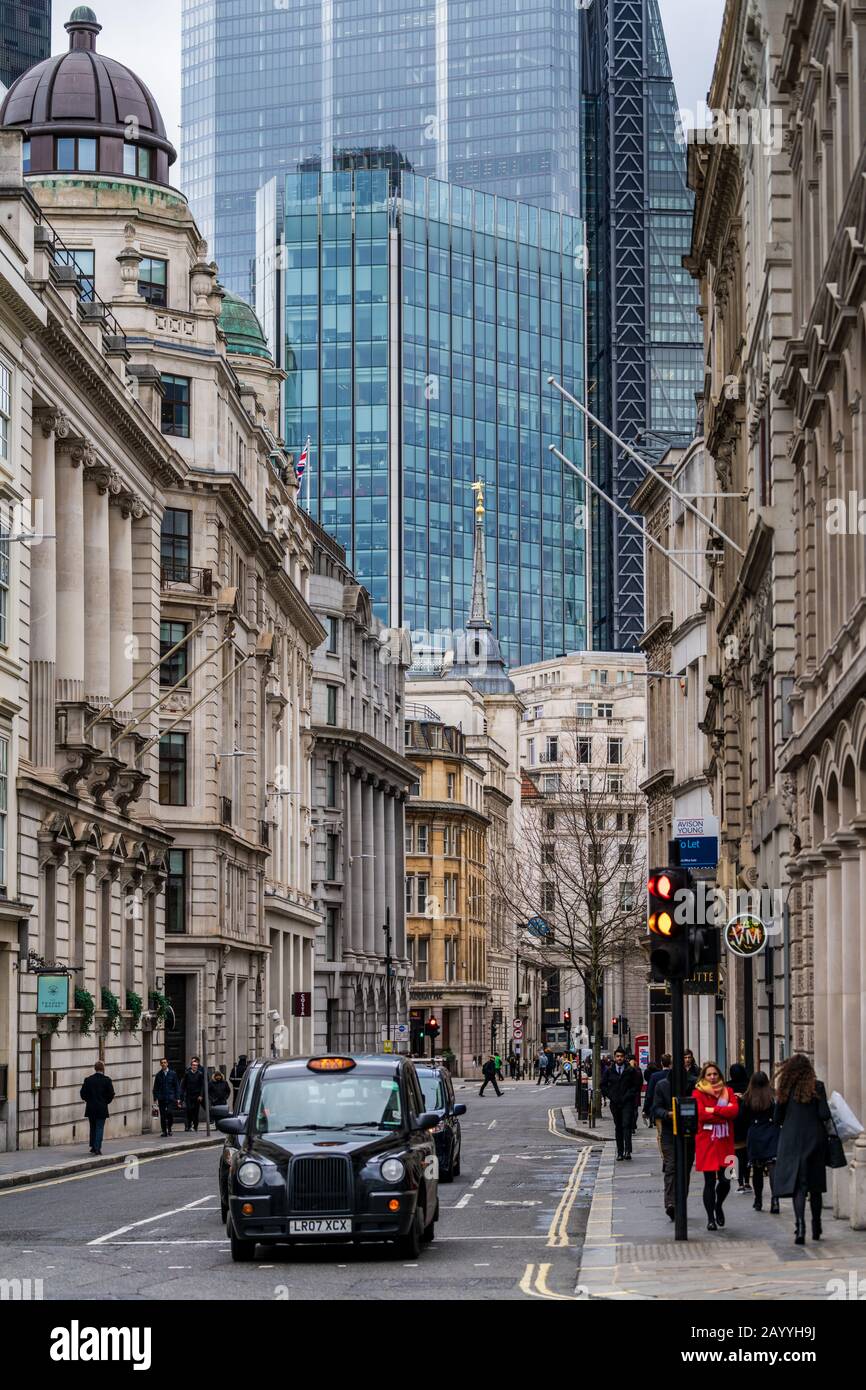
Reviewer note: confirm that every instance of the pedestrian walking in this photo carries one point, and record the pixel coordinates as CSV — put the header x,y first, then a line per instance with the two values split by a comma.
x,y
512,1066
166,1094
632,1061
663,1070
662,1114
498,1060
714,1143
488,1071
97,1093
238,1070
218,1090
802,1114
762,1137
621,1088
690,1067
738,1082
192,1093
542,1062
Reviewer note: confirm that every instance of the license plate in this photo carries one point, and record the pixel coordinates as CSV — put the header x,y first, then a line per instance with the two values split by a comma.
x,y
325,1226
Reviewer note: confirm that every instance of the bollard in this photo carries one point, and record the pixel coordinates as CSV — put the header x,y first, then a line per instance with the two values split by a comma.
x,y
858,1184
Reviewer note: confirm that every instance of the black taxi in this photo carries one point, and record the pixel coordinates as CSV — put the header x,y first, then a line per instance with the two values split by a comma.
x,y
332,1148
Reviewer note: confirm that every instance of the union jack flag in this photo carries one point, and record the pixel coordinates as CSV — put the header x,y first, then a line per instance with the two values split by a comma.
x,y
301,464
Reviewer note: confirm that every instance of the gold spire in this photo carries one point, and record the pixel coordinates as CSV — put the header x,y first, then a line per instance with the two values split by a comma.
x,y
478,488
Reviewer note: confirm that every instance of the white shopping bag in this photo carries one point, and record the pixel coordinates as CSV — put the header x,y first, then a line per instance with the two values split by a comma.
x,y
846,1122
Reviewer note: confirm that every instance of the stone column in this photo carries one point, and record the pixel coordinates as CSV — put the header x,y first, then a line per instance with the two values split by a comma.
x,y
120,581
390,850
399,914
859,825
379,868
817,955
43,588
357,941
69,501
828,936
848,1006
369,864
97,585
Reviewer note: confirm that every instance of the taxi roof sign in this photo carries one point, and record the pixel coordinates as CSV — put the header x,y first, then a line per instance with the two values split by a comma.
x,y
331,1063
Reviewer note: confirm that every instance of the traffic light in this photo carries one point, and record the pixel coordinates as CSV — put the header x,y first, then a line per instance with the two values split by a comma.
x,y
614,1024
431,1027
566,1018
668,919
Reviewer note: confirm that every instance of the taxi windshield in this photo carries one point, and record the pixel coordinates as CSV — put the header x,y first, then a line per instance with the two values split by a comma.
x,y
434,1092
328,1101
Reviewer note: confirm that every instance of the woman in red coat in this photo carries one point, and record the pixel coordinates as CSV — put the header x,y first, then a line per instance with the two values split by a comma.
x,y
714,1142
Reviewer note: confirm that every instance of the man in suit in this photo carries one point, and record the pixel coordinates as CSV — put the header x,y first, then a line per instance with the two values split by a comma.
x,y
621,1087
192,1092
166,1093
97,1093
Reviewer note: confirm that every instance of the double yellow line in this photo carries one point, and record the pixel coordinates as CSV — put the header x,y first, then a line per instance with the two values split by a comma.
x,y
534,1283
557,1236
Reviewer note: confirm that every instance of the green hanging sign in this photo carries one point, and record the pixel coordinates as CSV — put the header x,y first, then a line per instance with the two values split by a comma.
x,y
52,995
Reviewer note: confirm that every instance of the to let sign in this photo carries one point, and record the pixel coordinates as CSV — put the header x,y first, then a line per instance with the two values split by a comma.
x,y
302,1004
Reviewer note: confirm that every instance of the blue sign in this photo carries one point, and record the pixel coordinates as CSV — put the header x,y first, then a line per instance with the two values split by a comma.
x,y
52,994
536,926
699,851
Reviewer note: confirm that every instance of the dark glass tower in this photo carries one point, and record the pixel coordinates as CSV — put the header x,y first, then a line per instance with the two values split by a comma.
x,y
25,36
644,347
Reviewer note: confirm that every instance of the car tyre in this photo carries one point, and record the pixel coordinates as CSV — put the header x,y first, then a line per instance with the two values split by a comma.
x,y
455,1166
243,1251
224,1210
408,1247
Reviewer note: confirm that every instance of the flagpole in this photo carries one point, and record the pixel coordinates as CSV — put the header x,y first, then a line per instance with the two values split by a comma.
x,y
308,475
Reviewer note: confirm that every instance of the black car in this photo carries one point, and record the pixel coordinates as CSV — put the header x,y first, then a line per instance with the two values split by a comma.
x,y
335,1148
240,1105
438,1091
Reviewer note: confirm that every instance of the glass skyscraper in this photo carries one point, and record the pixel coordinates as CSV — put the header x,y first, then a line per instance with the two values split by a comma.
x,y
25,36
484,93
418,325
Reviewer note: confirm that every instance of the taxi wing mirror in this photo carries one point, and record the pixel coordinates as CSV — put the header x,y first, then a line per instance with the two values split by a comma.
x,y
460,1108
232,1124
429,1120
219,1112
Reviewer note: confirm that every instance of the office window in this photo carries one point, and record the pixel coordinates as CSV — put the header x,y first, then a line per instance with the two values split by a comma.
x,y
4,586
451,907
410,838
175,405
605,711
175,891
72,153
584,711
4,808
331,716
626,896
85,263
172,769
539,711
175,545
614,785
331,858
153,280
5,409
175,668
548,897
423,837
530,750
415,789
626,855
421,957
548,854
550,783
333,635
137,161
332,929
550,820
551,754
614,751
450,958
421,889
333,782
452,784
584,750
25,157
410,893
601,821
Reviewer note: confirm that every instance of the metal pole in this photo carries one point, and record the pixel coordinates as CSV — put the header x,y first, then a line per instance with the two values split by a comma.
x,y
660,477
204,1069
678,1087
387,930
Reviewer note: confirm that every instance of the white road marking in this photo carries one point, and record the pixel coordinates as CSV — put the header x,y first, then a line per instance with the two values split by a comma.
x,y
488,1170
494,1158
463,1201
492,1124
491,1203
162,1243
149,1220
478,1182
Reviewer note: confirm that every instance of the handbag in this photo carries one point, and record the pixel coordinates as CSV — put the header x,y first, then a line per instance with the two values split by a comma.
x,y
834,1152
845,1121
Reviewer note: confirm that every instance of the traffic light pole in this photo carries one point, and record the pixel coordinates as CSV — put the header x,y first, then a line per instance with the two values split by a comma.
x,y
678,1089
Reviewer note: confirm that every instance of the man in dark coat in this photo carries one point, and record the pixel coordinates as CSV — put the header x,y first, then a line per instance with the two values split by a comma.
x,y
663,1114
621,1087
488,1071
166,1093
97,1093
653,1081
192,1092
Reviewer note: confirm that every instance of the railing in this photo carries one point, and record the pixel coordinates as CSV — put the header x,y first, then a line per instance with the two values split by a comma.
x,y
90,304
201,580
423,713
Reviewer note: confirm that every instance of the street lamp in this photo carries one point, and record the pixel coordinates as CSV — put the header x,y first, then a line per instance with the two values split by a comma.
x,y
387,930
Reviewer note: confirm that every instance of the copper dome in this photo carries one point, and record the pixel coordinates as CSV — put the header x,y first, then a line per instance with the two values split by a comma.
x,y
82,96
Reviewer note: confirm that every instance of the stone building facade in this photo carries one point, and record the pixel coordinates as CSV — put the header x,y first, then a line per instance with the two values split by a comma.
x,y
361,781
164,628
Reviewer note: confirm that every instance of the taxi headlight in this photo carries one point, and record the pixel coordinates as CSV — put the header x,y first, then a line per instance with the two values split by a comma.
x,y
249,1174
393,1170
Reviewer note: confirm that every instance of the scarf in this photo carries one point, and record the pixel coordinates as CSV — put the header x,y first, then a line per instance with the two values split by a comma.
x,y
721,1129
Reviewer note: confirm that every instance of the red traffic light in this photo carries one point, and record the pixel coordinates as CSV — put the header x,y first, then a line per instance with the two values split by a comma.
x,y
567,1016
661,886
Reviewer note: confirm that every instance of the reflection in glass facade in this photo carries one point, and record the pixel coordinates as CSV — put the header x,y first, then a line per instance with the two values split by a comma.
x,y
25,36
484,93
418,328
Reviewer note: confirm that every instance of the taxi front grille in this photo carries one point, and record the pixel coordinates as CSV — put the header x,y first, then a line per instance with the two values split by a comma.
x,y
320,1185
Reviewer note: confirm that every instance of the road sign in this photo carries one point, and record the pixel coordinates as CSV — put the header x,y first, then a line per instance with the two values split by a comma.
x,y
536,926
387,1045
401,1032
517,1028
745,936
302,1004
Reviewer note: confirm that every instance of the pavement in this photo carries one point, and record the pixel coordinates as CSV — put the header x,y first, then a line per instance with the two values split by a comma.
x,y
511,1225
629,1251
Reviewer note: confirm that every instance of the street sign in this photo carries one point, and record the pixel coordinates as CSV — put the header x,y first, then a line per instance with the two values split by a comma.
x,y
401,1032
536,926
698,840
745,936
696,825
302,1004
517,1028
52,995
387,1045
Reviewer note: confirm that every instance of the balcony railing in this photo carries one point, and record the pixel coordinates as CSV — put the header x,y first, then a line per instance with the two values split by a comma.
x,y
176,574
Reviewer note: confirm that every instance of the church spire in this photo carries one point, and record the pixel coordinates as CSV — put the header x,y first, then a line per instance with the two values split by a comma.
x,y
479,613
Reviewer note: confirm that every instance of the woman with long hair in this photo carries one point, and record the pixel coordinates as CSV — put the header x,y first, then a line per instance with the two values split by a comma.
x,y
802,1114
762,1136
718,1107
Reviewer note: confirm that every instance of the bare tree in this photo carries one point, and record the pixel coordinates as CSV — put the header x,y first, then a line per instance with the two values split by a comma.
x,y
579,866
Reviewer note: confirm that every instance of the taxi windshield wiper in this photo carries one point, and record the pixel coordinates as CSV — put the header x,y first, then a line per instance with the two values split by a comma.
x,y
287,1129
364,1124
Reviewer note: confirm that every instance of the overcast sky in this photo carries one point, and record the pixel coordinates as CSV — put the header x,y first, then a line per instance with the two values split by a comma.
x,y
146,37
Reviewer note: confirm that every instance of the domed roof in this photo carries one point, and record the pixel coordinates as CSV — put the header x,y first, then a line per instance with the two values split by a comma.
x,y
242,329
83,94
